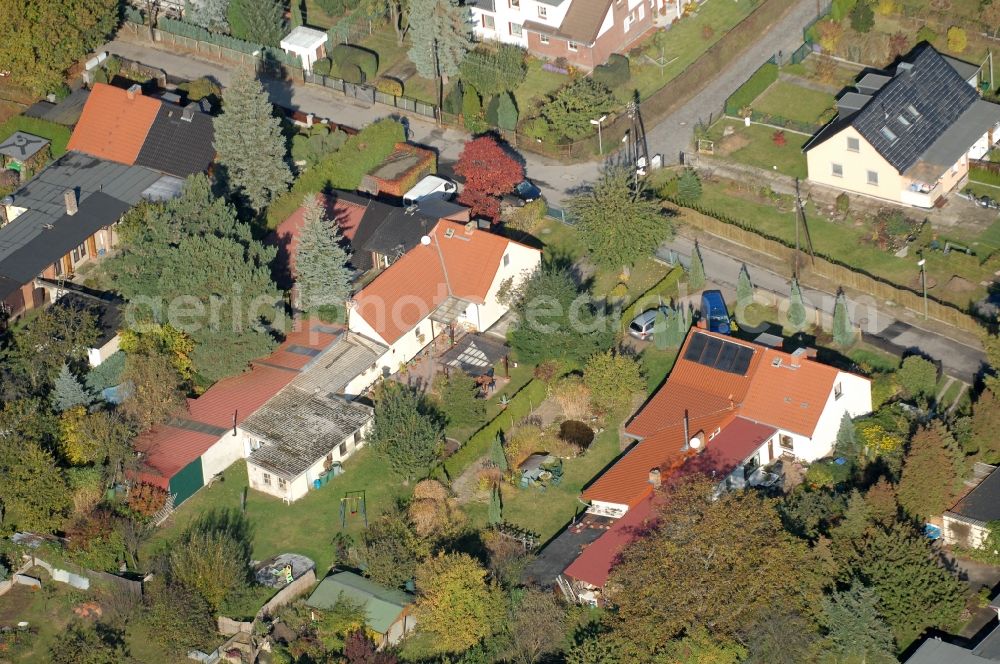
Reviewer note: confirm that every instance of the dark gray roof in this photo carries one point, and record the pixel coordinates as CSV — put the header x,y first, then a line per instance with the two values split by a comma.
x,y
178,146
956,139
935,651
907,115
22,146
989,647
299,428
926,83
564,549
44,233
66,112
983,502
8,286
107,307
965,69
871,83
852,101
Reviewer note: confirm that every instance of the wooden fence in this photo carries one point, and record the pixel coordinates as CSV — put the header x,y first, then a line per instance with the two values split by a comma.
x,y
991,166
835,275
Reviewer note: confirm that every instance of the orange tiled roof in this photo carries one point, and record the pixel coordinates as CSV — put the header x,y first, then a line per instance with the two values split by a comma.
x,y
789,396
112,126
462,266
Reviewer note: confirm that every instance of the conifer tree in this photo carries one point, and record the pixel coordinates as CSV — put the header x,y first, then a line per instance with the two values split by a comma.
x,y
843,332
249,142
696,272
930,475
257,21
796,308
498,456
68,391
441,35
847,439
855,630
496,508
321,272
744,289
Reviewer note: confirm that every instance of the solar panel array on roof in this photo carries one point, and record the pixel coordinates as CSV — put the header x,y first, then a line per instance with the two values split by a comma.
x,y
719,354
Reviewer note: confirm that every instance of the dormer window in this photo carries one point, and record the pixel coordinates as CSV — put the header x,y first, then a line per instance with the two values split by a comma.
x,y
903,121
912,110
888,133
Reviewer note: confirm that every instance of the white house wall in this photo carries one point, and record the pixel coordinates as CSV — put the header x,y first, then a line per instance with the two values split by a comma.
x,y
224,453
523,262
505,14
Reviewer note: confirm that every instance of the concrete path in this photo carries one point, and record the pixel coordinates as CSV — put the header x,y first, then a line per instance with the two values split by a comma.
x,y
959,360
557,181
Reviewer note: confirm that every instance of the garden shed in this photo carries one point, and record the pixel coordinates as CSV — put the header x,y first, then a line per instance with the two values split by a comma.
x,y
387,610
22,151
307,43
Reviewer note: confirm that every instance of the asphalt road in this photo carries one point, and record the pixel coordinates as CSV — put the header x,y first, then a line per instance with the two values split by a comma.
x,y
557,181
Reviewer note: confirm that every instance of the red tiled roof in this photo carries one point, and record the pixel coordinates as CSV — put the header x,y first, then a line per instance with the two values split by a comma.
x,y
791,397
737,440
112,126
462,265
228,402
597,560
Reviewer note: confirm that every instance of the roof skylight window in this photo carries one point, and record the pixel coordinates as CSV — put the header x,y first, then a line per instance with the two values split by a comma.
x,y
888,133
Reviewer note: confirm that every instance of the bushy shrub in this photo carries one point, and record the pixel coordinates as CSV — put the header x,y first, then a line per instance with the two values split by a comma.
x,y
334,7
614,73
492,112
365,60
689,186
352,74
452,103
322,67
494,69
200,88
145,499
840,9
957,39
926,34
472,111
389,86
547,370
576,433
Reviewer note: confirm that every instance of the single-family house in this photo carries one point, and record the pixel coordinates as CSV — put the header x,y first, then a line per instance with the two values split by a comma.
x,y
906,136
64,217
307,43
184,453
387,610
967,522
984,650
728,408
131,128
453,278
298,440
584,32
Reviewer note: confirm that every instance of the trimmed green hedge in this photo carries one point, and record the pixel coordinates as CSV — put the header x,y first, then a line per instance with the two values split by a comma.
x,y
754,87
345,55
528,397
57,134
343,169
616,72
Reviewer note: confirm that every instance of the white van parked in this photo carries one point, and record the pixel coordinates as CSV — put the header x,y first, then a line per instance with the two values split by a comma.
x,y
431,186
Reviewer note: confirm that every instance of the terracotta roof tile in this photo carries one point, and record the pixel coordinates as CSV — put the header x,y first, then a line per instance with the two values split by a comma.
x,y
168,450
112,126
460,264
791,396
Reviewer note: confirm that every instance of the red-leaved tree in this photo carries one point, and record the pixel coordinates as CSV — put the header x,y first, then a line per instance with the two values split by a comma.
x,y
489,172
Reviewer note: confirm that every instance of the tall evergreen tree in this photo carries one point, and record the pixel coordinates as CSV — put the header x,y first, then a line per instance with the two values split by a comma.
x,y
321,273
618,220
68,391
406,435
796,308
249,141
696,271
498,456
257,21
496,507
930,476
855,630
744,288
843,331
847,444
914,591
441,35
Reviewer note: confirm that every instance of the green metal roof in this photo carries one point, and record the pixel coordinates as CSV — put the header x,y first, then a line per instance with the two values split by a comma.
x,y
382,605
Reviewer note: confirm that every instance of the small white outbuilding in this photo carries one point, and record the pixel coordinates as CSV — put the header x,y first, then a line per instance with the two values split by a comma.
x,y
307,43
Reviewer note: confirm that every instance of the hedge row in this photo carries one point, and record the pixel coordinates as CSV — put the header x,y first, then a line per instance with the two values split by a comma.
x,y
343,169
754,87
346,55
192,31
528,397
57,134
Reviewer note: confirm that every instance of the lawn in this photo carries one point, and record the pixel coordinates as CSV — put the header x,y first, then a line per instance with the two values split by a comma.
x,y
851,245
755,146
681,44
795,103
838,76
306,526
317,18
537,84
656,364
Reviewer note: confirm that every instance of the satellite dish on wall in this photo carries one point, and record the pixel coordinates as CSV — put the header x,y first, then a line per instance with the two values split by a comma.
x,y
425,240
694,443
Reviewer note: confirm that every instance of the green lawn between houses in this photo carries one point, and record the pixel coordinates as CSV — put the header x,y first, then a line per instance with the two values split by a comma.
x,y
795,102
757,147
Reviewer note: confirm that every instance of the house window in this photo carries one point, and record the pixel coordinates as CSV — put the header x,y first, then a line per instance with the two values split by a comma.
x,y
853,144
888,134
515,4
642,11
838,391
572,47
903,121
79,253
357,438
489,23
913,111
543,12
515,29
543,38
343,450
837,170
873,178
282,483
750,466
267,479
58,267
786,443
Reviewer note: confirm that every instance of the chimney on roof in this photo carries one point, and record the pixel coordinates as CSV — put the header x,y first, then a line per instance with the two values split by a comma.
x,y
69,197
133,90
470,227
654,478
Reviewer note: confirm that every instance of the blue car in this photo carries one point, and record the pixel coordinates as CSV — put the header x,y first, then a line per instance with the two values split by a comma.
x,y
714,314
527,191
